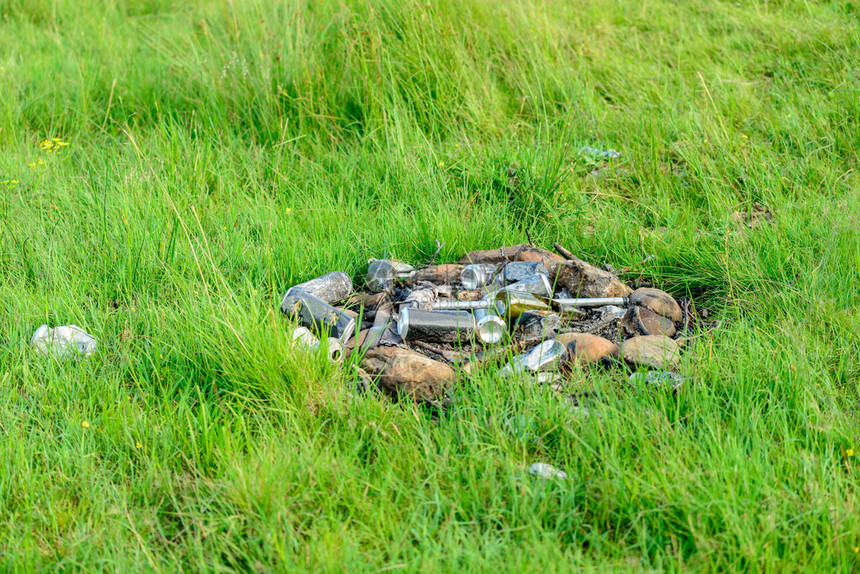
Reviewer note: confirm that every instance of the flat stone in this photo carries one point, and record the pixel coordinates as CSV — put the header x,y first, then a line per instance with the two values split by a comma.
x,y
585,280
402,372
587,348
658,301
643,321
655,351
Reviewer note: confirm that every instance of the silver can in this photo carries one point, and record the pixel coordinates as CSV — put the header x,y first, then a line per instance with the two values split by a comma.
x,y
478,275
331,287
441,326
489,327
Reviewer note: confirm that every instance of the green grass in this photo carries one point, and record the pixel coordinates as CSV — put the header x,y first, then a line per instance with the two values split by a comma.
x,y
220,152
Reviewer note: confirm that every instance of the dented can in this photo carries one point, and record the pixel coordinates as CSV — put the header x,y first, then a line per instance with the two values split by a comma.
x,y
382,273
441,326
333,347
544,357
331,287
478,275
489,327
538,284
318,315
520,270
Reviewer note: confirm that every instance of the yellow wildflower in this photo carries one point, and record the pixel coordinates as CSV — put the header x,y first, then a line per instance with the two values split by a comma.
x,y
441,164
138,445
850,452
288,210
85,424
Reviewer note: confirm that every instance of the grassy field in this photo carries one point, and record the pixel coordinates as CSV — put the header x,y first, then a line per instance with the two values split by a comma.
x,y
219,152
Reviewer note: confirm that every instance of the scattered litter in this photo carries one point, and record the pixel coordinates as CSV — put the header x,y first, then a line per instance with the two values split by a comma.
x,y
532,315
612,311
382,273
594,153
333,347
642,379
331,287
68,341
544,470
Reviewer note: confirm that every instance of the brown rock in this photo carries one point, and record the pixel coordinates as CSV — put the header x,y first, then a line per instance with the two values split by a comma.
x,y
655,351
403,372
585,280
438,275
643,321
521,252
658,301
585,348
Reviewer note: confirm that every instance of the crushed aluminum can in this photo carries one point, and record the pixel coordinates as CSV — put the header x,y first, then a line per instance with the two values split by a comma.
x,y
593,153
67,341
318,315
655,379
331,287
538,284
517,271
382,273
544,470
441,326
612,311
544,357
